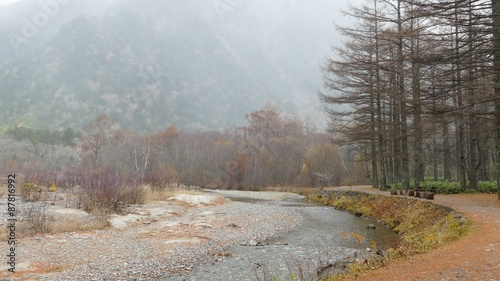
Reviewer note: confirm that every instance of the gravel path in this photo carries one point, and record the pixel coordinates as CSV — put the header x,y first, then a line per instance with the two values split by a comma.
x,y
168,244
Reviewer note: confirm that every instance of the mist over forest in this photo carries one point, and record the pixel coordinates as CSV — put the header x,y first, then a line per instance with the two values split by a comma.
x,y
128,127
103,94
191,64
263,84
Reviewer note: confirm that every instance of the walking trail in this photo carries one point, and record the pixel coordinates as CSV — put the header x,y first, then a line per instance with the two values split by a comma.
x,y
474,257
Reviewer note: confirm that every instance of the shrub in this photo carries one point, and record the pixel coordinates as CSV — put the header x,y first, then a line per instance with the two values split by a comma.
x,y
53,187
30,192
132,195
35,218
397,186
487,186
450,187
106,191
442,187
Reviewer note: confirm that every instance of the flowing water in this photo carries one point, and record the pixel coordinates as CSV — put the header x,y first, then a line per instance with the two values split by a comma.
x,y
326,237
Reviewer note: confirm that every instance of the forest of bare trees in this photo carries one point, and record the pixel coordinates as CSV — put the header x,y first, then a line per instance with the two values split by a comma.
x,y
414,88
272,150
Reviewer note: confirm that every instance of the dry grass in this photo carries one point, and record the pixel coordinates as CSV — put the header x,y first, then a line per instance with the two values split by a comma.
x,y
289,189
36,218
3,190
219,200
182,204
155,194
4,232
72,224
48,267
422,226
59,225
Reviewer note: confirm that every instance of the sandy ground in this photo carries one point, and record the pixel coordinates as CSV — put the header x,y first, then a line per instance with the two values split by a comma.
x,y
474,257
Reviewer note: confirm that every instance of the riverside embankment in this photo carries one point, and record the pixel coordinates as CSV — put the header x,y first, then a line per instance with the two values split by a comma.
x,y
326,241
454,237
199,236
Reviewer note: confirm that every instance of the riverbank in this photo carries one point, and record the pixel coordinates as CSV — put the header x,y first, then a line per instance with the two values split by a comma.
x,y
151,241
463,232
327,241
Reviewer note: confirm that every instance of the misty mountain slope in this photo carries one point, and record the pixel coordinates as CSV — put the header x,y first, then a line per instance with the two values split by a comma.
x,y
170,62
26,25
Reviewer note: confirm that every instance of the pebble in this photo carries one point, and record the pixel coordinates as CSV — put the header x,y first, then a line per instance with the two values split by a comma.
x,y
93,257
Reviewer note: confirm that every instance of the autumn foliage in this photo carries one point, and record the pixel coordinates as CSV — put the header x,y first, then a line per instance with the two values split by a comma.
x,y
273,149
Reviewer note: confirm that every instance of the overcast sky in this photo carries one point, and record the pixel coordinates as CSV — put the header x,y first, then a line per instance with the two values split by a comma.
x,y
6,2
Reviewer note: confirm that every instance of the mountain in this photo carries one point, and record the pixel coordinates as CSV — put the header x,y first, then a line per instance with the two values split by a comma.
x,y
194,64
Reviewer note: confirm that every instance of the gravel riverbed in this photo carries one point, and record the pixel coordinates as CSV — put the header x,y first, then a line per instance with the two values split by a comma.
x,y
168,244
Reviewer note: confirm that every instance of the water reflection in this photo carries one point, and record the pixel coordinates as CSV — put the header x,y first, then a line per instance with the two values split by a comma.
x,y
326,237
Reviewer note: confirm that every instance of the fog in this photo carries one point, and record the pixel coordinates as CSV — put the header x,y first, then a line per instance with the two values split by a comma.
x,y
8,2
193,64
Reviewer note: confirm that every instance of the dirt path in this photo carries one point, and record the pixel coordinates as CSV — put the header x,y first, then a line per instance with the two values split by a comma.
x,y
474,257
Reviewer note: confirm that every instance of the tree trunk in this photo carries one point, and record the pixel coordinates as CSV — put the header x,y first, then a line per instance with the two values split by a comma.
x,y
461,167
380,126
496,71
446,153
403,133
471,120
417,111
373,133
435,159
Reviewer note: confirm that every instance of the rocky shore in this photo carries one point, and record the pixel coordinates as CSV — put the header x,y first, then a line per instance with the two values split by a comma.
x,y
158,241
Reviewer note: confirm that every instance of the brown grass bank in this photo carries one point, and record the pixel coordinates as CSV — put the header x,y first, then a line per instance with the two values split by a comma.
x,y
421,225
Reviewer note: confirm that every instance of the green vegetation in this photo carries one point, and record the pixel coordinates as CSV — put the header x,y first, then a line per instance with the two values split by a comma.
x,y
451,187
422,225
487,186
66,137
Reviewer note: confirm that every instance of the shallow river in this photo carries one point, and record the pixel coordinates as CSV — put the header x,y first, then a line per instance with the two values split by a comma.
x,y
326,236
